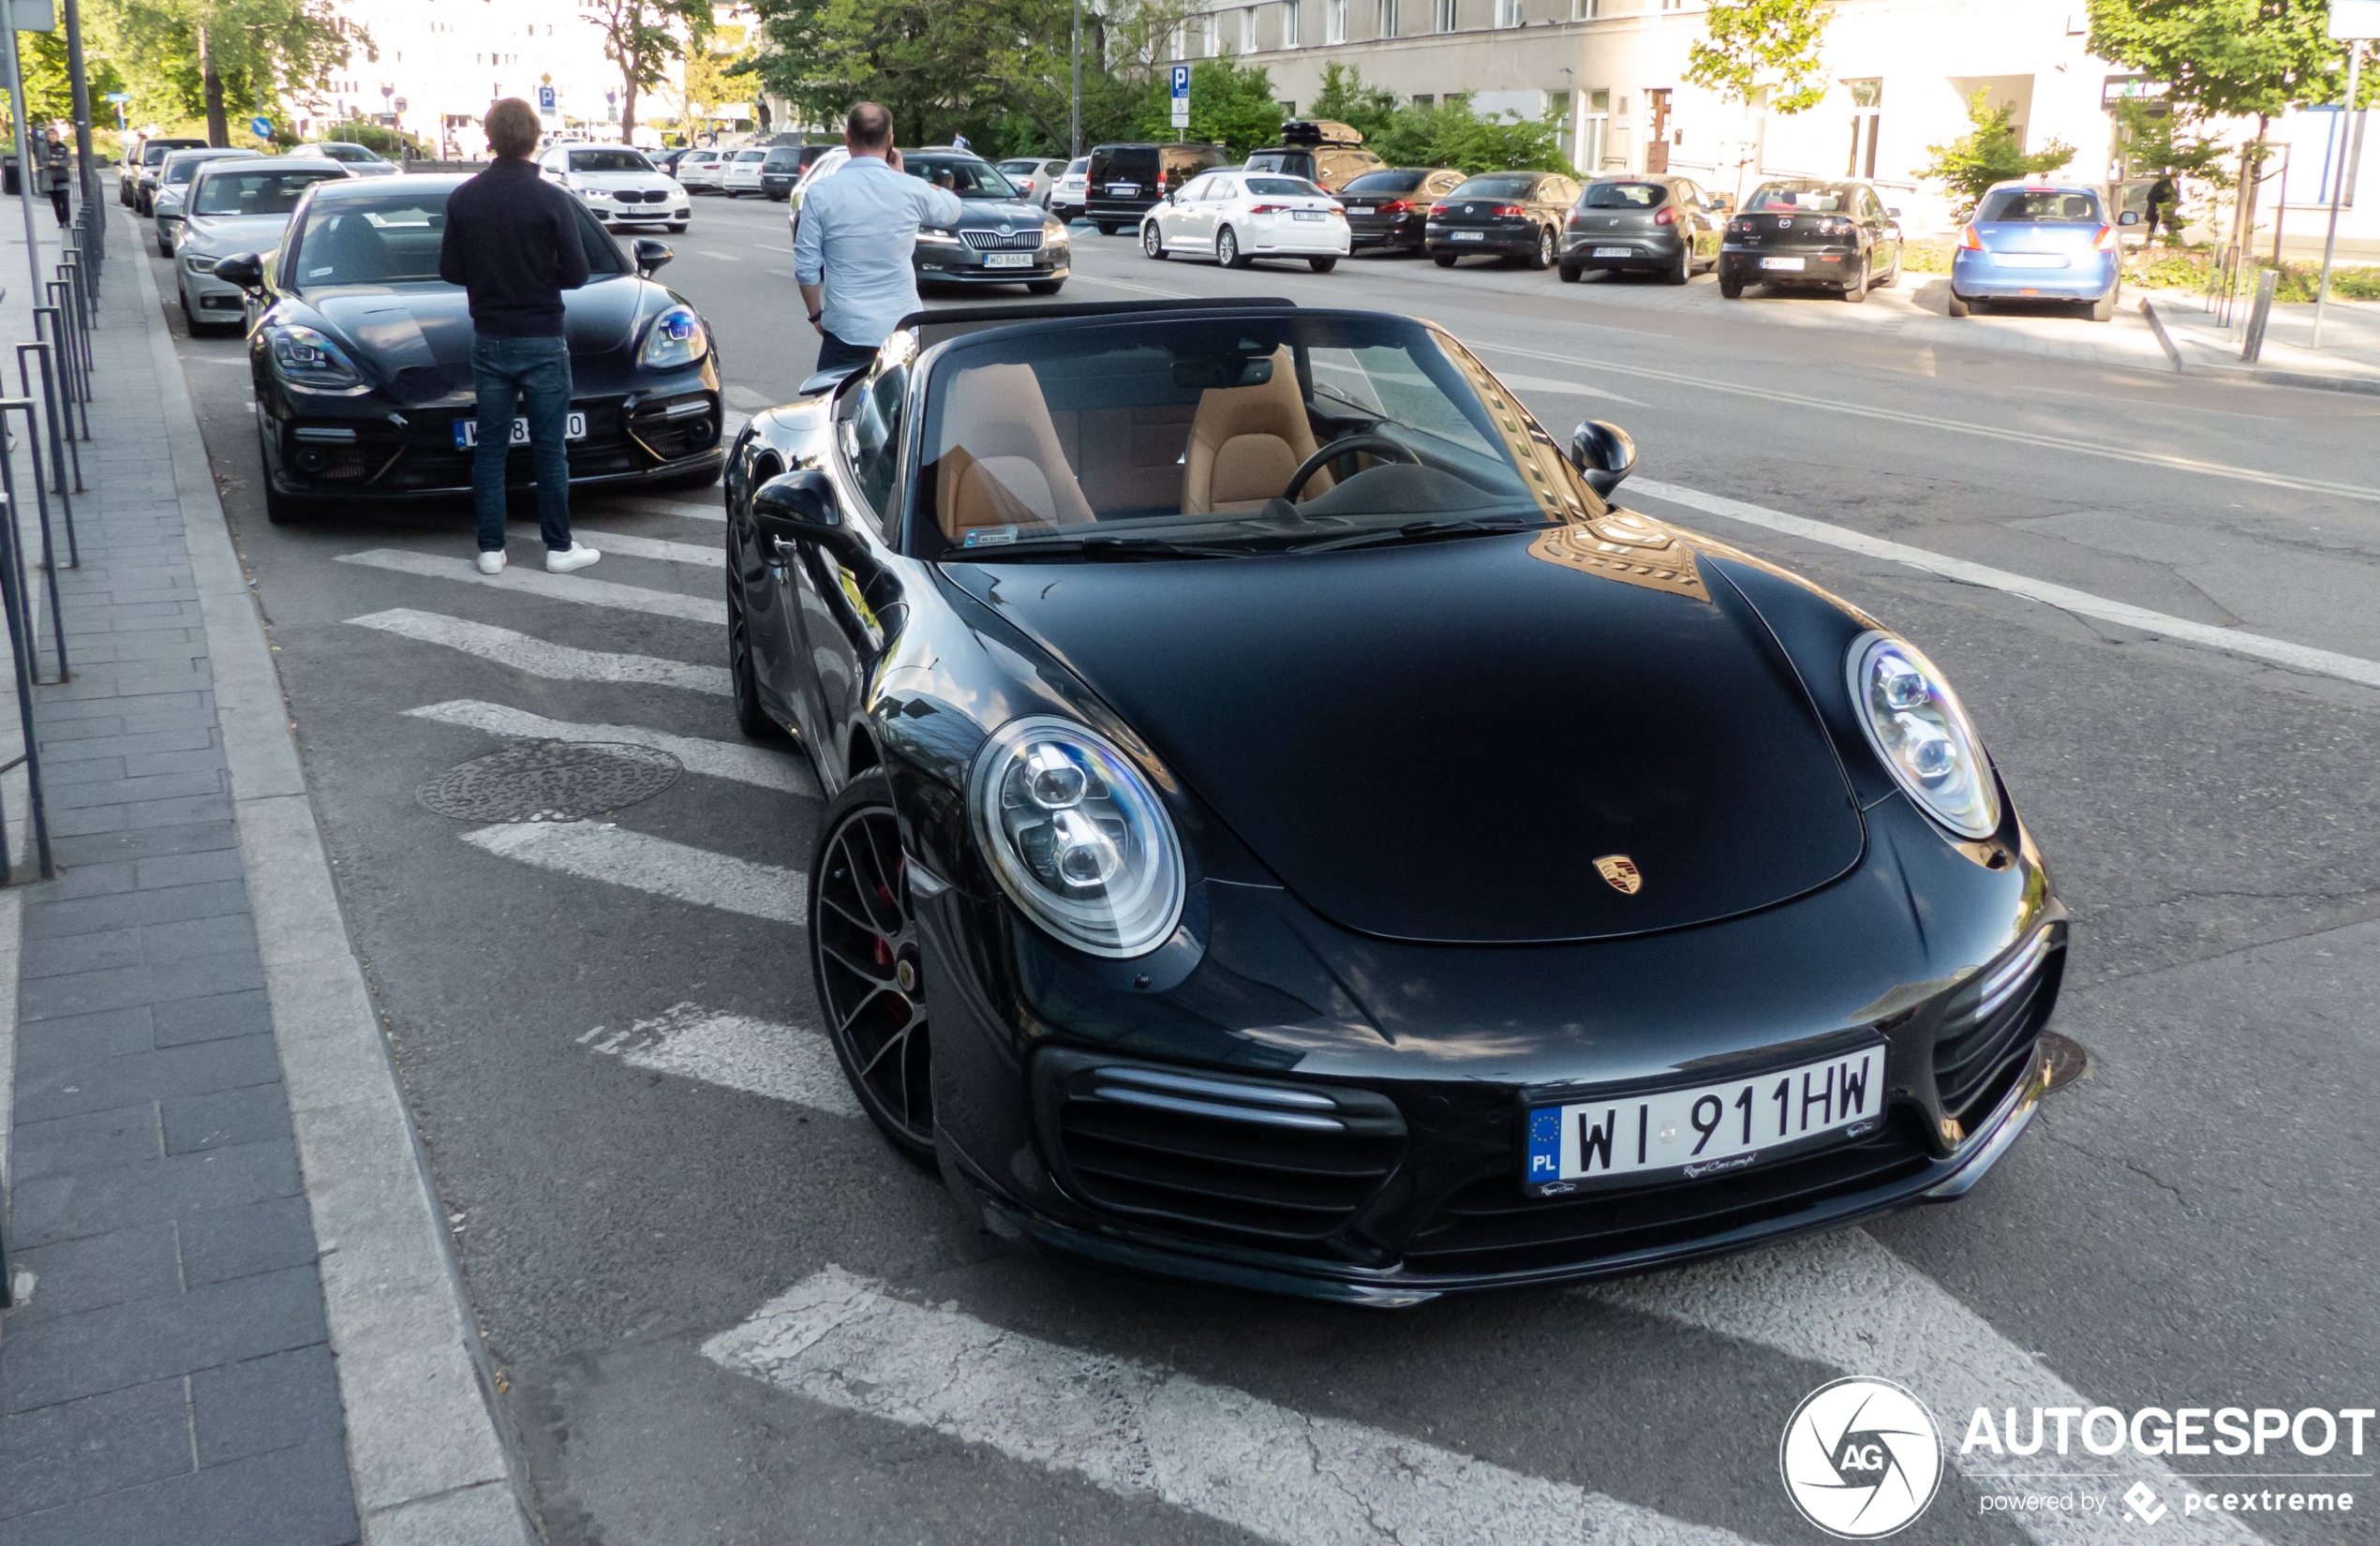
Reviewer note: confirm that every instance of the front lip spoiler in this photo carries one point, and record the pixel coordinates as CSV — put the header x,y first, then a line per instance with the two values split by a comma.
x,y
1393,1287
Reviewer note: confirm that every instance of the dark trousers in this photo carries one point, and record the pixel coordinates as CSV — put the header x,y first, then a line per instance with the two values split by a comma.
x,y
834,354
58,199
529,377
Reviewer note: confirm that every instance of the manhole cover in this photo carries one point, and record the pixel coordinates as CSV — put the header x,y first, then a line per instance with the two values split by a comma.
x,y
550,781
2067,1059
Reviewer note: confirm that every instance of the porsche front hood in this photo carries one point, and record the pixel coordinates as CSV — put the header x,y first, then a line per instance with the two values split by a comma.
x,y
1440,741
417,337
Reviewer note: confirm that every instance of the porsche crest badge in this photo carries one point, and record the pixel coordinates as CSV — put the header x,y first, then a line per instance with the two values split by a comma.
x,y
1621,871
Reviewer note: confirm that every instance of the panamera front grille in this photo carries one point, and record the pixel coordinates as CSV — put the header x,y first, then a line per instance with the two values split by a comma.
x,y
991,240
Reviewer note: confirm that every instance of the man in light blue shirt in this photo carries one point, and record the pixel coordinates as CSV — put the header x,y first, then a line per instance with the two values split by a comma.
x,y
858,229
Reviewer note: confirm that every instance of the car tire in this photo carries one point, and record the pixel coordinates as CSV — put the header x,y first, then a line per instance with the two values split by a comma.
x,y
1570,273
1108,228
677,227
1893,278
731,193
856,874
1731,288
743,677
1542,258
1322,265
1856,290
1151,244
2104,309
165,248
1226,249
279,509
1683,270
1044,287
1444,259
1959,305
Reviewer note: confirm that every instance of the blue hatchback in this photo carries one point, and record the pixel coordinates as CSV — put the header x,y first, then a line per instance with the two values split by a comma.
x,y
2038,242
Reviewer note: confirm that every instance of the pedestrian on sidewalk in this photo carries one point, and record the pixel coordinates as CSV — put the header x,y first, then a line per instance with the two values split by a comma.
x,y
512,242
858,229
55,172
2163,195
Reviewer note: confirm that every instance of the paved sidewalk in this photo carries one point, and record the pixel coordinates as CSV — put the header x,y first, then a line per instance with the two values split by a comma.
x,y
178,1372
2349,357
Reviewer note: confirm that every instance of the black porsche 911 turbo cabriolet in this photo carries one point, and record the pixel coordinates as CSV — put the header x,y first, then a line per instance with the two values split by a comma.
x,y
1289,829
361,357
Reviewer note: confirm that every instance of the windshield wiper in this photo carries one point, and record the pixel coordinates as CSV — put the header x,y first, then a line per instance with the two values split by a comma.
x,y
1099,549
1420,532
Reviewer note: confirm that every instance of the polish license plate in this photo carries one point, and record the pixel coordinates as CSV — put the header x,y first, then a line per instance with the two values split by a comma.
x,y
2028,260
1707,1130
1467,235
1122,190
1306,215
1615,252
467,431
1359,209
1791,265
1007,259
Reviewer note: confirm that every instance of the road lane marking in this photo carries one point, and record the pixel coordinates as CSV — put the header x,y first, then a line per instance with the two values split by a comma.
x,y
1143,1432
787,1063
1847,1302
2231,641
599,851
556,587
630,546
723,257
665,507
1126,284
539,657
1572,389
752,765
1956,426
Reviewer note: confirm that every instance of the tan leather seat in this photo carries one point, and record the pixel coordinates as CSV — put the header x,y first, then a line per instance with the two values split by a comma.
x,y
1002,465
1245,442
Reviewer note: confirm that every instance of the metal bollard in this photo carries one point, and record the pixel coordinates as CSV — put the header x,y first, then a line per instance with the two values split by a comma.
x,y
41,504
71,354
20,648
2252,346
53,378
57,446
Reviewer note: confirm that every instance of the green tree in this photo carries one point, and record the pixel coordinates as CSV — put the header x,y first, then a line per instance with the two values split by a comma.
x,y
1989,152
641,38
712,75
214,58
1345,99
1447,134
1231,105
1755,46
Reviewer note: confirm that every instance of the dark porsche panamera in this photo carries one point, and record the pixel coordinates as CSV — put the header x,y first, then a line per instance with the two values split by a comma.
x,y
1289,829
361,358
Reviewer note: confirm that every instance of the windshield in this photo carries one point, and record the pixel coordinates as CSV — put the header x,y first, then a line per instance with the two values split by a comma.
x,y
393,239
751,156
1500,186
2040,207
1625,196
1281,160
1280,187
182,170
1079,165
355,153
267,192
1385,182
1189,430
157,150
962,174
1799,198
782,160
609,160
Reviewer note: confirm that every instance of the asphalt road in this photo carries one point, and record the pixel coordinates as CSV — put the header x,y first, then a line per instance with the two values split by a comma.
x,y
620,1089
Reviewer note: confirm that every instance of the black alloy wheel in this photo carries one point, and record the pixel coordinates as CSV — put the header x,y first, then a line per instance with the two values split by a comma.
x,y
1542,259
865,957
1153,243
743,678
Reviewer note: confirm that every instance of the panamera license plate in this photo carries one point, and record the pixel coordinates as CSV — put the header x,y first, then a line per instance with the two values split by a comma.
x,y
1704,1131
467,431
1467,235
1791,265
1615,252
1007,259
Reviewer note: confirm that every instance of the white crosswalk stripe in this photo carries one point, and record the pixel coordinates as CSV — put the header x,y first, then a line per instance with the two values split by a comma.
x,y
1142,1431
787,1063
539,657
1848,1302
552,588
599,851
751,765
630,546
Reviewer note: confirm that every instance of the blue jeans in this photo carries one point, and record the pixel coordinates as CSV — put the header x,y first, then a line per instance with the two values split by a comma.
x,y
531,377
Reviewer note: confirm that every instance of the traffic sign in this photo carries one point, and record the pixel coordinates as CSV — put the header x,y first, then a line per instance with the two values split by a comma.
x,y
2353,19
1181,96
545,98
119,96
260,127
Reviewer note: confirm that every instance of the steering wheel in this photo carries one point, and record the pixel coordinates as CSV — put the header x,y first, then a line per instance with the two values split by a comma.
x,y
1394,451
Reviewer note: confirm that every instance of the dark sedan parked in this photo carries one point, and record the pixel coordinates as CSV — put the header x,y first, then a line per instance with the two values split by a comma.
x,y
783,167
361,358
1505,215
1002,238
1660,224
1389,209
1805,232
1138,906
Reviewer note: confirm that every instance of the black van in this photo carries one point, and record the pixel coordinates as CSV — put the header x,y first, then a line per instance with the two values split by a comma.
x,y
1126,181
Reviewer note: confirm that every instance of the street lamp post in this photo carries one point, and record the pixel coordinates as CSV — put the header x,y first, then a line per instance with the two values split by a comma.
x,y
1074,118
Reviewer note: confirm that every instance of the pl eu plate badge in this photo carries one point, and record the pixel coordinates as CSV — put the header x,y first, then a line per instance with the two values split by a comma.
x,y
1545,1146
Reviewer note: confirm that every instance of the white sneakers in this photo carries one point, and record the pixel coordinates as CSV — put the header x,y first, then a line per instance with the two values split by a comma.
x,y
577,555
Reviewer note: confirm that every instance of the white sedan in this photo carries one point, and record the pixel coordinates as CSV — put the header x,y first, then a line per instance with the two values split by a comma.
x,y
742,174
698,169
1236,217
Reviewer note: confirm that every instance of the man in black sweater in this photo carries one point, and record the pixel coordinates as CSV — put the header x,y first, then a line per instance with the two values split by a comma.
x,y
513,241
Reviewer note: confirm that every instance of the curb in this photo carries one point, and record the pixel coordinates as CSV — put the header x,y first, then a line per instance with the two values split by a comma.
x,y
424,1440
2361,385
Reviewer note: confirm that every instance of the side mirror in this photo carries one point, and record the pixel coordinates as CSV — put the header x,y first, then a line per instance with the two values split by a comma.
x,y
2129,217
1603,453
651,253
245,271
1894,211
801,506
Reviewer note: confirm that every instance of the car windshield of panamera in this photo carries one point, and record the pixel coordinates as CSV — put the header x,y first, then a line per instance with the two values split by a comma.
x,y
1300,430
393,239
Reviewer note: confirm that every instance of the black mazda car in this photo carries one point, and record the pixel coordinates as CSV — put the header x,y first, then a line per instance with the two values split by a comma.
x,y
1805,233
1287,828
361,358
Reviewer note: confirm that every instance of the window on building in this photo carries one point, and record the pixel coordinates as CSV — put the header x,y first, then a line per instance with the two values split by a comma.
x,y
1586,10
1176,44
1387,19
1213,25
1334,20
1290,34
1445,19
1248,30
1425,102
1867,105
1595,132
1507,13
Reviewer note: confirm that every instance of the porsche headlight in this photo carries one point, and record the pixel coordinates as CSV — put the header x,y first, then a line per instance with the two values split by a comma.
x,y
305,358
1078,838
1916,725
678,338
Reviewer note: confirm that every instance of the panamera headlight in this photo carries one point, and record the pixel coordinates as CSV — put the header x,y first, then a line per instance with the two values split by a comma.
x,y
1917,726
1078,838
305,358
678,338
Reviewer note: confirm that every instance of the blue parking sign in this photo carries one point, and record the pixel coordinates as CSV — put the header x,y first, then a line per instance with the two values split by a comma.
x,y
1181,82
545,98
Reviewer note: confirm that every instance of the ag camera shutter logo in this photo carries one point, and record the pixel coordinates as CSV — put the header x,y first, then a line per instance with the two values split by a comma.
x,y
1861,1458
